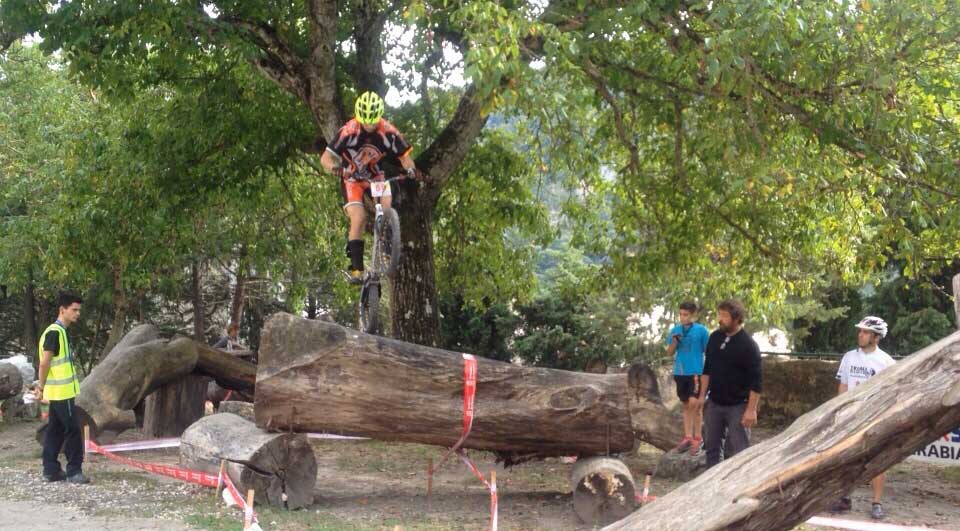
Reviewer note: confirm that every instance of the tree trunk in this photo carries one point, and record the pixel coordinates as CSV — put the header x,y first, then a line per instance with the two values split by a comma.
x,y
196,296
239,290
956,298
281,468
824,454
119,312
30,337
413,303
603,490
11,381
320,377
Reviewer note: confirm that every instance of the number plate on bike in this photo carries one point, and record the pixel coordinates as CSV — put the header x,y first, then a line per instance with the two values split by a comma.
x,y
380,189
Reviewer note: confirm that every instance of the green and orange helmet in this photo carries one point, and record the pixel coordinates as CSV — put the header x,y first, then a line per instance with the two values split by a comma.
x,y
369,108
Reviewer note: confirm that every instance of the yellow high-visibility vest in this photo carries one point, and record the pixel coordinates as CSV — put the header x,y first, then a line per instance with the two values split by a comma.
x,y
62,382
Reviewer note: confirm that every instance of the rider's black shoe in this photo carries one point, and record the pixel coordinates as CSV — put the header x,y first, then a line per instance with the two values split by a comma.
x,y
355,277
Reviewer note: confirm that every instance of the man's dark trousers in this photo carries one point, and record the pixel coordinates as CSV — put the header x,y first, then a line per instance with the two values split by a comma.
x,y
720,420
63,431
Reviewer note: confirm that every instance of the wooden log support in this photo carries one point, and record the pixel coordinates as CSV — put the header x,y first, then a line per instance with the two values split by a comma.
x,y
280,467
320,377
603,490
241,409
823,455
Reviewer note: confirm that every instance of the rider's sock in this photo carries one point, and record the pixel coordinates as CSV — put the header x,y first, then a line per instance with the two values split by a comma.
x,y
356,254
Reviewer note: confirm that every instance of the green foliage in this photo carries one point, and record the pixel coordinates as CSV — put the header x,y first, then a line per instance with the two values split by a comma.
x,y
918,329
488,224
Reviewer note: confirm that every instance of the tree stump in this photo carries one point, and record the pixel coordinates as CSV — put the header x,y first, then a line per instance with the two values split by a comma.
x,y
174,407
11,381
280,467
603,490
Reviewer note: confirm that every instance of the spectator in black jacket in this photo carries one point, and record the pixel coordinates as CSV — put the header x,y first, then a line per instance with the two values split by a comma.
x,y
731,384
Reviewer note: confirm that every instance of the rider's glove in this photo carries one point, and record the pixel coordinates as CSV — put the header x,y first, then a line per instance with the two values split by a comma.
x,y
411,173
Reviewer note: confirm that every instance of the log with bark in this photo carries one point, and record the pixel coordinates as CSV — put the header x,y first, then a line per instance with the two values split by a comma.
x,y
321,377
824,454
280,467
11,381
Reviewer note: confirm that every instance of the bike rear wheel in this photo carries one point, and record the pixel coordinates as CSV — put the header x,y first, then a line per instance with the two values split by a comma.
x,y
370,308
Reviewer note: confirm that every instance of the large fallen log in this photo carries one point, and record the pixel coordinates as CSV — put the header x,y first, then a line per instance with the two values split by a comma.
x,y
824,454
11,381
280,467
320,377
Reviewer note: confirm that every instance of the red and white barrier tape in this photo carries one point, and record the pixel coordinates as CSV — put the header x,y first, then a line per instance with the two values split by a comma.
x,y
183,474
249,515
336,437
491,486
469,398
176,472
172,442
856,525
469,395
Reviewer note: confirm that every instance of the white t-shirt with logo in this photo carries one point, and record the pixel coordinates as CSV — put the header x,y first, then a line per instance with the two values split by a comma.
x,y
858,366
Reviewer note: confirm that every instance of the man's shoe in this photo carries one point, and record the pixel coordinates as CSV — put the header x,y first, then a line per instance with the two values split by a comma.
x,y
876,512
684,444
78,479
59,476
696,445
842,505
355,277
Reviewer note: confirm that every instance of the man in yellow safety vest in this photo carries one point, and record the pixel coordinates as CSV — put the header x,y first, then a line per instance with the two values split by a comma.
x,y
58,384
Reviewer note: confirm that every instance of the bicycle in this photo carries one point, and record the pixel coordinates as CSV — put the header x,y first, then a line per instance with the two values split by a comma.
x,y
386,257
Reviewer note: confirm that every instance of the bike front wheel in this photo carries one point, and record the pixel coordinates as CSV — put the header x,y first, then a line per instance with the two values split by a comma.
x,y
388,241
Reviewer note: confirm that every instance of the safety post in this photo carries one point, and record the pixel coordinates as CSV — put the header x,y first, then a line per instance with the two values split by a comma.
x,y
248,511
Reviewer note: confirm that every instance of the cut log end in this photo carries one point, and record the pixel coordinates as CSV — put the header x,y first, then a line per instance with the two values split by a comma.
x,y
603,490
280,468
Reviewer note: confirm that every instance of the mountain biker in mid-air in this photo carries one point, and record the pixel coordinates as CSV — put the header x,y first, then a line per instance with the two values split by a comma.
x,y
354,155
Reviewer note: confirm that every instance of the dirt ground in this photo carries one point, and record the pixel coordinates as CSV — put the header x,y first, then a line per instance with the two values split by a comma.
x,y
371,485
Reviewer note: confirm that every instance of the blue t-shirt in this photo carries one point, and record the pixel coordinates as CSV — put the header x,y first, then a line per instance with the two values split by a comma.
x,y
689,355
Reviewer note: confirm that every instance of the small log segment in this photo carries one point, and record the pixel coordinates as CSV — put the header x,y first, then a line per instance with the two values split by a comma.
x,y
321,377
241,409
603,490
824,454
280,467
